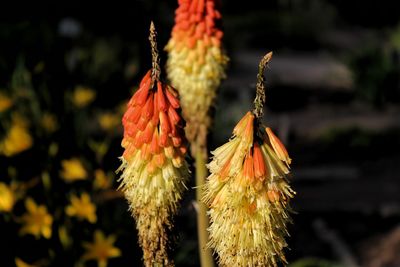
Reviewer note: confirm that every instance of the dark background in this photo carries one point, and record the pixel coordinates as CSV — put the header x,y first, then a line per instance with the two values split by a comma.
x,y
333,92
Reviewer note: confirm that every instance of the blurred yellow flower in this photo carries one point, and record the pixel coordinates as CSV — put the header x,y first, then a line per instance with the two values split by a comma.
x,y
17,138
49,122
108,121
82,208
73,170
83,96
37,221
21,263
101,249
101,180
65,238
5,102
7,198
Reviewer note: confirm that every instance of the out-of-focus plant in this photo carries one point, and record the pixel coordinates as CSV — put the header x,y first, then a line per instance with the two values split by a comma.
x,y
195,66
62,182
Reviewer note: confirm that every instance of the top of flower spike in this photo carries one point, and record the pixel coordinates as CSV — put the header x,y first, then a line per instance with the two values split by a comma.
x,y
195,20
151,122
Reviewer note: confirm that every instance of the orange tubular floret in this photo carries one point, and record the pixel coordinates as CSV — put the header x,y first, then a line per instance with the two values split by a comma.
x,y
156,111
164,139
240,125
141,125
224,173
165,126
154,146
162,104
172,97
248,167
260,169
141,94
145,152
148,107
248,132
173,116
147,134
145,79
133,114
278,147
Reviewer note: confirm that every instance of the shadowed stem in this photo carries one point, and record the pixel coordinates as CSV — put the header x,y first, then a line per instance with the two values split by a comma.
x,y
155,70
206,258
260,87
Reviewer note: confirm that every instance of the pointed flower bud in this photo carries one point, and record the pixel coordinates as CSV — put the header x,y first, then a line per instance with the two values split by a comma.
x,y
196,63
248,194
153,167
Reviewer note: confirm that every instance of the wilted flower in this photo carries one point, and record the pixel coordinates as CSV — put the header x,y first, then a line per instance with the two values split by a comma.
x,y
82,208
83,96
17,138
153,164
73,170
5,102
196,63
7,198
37,221
248,193
101,249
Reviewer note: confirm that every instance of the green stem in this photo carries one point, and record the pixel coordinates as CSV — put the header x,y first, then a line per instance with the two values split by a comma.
x,y
206,258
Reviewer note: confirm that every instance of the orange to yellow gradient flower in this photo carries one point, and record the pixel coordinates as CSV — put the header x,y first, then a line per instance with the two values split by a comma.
x,y
196,63
82,208
37,221
153,163
248,195
102,249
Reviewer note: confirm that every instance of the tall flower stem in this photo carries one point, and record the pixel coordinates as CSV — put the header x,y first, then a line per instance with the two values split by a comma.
x,y
206,258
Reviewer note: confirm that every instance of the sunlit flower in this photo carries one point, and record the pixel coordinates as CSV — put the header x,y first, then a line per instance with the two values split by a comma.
x,y
83,96
37,221
49,122
5,102
108,121
21,263
248,195
101,249
17,139
73,170
7,198
153,164
196,63
101,180
82,208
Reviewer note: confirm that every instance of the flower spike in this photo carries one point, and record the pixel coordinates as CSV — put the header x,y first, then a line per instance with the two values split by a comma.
x,y
153,167
196,63
248,192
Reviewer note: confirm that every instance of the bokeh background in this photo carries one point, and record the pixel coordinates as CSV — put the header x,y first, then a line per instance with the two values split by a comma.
x,y
333,93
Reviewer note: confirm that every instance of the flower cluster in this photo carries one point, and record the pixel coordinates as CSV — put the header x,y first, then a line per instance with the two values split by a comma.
x,y
153,164
196,63
248,196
